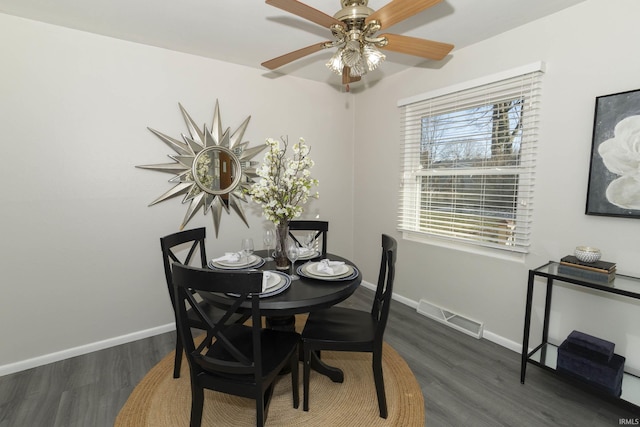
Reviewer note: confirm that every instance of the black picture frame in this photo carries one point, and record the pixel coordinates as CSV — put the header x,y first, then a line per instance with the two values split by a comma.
x,y
610,110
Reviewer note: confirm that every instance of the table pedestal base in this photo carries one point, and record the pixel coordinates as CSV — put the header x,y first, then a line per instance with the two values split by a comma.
x,y
288,323
335,374
281,323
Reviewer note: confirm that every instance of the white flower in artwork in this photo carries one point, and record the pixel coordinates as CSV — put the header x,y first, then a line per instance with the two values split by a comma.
x,y
625,192
621,155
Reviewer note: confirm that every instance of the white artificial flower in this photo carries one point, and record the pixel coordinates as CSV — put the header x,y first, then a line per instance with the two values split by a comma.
x,y
285,183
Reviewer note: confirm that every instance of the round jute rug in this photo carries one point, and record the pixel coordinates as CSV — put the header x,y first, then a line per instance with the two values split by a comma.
x,y
160,400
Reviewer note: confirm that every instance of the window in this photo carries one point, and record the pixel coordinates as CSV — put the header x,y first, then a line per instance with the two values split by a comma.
x,y
468,156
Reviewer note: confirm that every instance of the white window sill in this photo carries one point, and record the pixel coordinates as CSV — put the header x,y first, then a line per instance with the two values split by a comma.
x,y
465,247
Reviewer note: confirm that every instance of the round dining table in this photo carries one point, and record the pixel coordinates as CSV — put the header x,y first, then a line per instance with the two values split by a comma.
x,y
304,295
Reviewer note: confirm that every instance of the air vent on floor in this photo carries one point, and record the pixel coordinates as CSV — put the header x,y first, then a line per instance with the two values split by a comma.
x,y
468,326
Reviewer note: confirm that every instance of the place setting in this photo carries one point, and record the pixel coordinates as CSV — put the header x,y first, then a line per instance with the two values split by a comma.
x,y
273,283
238,260
308,251
328,270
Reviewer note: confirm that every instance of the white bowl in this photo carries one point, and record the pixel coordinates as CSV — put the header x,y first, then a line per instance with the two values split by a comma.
x,y
587,253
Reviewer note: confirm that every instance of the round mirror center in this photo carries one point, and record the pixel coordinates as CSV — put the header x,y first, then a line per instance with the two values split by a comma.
x,y
216,170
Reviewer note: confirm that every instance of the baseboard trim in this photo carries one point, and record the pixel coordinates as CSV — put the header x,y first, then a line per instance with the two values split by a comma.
x,y
45,359
502,341
399,298
134,336
486,334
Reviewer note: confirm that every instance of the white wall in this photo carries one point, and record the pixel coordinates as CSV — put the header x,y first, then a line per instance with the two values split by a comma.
x,y
590,50
81,264
81,261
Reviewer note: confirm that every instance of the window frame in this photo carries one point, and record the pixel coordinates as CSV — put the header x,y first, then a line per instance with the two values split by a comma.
x,y
409,209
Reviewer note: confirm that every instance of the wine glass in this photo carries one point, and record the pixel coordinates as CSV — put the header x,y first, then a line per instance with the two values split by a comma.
x,y
268,238
247,248
292,253
309,240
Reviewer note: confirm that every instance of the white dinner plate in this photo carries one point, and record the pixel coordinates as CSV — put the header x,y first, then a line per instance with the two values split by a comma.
x,y
284,281
242,262
258,262
309,255
273,281
351,274
311,268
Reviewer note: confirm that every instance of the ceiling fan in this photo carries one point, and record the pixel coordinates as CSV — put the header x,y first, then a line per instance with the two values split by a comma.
x,y
354,28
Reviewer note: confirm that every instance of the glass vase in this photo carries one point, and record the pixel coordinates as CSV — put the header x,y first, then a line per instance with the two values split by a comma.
x,y
280,254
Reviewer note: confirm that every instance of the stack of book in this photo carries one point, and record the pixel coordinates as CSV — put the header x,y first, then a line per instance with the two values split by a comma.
x,y
599,271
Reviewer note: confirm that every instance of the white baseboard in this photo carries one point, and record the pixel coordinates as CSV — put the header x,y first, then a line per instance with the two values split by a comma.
x,y
134,336
399,298
451,319
368,285
83,349
486,334
502,341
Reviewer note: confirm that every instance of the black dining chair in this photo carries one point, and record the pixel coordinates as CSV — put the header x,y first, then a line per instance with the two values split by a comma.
x,y
235,359
187,247
320,227
345,329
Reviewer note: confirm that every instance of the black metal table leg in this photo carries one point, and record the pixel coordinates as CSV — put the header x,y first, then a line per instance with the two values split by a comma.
x,y
527,328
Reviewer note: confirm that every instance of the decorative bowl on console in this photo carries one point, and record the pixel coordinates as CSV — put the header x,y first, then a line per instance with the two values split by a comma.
x,y
587,253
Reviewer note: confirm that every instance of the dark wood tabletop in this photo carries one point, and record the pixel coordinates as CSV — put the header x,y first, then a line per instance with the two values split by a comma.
x,y
303,296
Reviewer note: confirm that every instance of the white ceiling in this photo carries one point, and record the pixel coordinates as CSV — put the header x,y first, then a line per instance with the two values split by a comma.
x,y
249,32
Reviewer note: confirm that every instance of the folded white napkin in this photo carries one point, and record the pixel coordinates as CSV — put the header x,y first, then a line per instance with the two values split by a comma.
x,y
326,266
228,257
302,252
265,280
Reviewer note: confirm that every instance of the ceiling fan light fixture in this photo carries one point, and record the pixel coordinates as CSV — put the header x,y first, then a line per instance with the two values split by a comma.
x,y
352,53
358,69
335,64
373,56
358,57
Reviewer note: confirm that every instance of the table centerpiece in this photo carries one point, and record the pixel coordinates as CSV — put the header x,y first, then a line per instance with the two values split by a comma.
x,y
284,187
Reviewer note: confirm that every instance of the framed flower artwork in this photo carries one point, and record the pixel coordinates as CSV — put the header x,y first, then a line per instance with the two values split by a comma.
x,y
614,173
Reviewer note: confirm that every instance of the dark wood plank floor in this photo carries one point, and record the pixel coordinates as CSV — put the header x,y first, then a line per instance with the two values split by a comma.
x,y
465,382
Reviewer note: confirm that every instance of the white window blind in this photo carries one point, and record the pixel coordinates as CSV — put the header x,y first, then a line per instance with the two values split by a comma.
x,y
468,160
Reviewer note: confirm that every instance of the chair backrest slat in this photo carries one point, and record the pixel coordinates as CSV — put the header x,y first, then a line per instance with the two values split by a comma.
x,y
170,245
384,289
228,358
321,228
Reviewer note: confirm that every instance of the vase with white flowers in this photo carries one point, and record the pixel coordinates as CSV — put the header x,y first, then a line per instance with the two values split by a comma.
x,y
284,187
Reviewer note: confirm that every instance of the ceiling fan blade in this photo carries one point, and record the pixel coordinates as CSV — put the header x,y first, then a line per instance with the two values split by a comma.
x,y
274,63
417,47
399,10
306,12
346,77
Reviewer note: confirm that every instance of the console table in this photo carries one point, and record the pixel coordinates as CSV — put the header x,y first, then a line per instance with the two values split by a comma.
x,y
545,354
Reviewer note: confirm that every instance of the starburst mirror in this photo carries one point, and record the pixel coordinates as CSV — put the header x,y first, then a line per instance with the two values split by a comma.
x,y
212,168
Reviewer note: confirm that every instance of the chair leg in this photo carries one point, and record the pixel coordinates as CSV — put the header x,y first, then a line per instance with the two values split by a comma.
x,y
178,359
261,400
197,401
295,382
305,377
379,380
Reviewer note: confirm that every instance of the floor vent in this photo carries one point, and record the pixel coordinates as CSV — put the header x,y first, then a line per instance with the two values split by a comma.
x,y
468,326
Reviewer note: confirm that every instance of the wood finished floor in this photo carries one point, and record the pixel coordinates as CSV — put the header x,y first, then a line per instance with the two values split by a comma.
x,y
465,382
